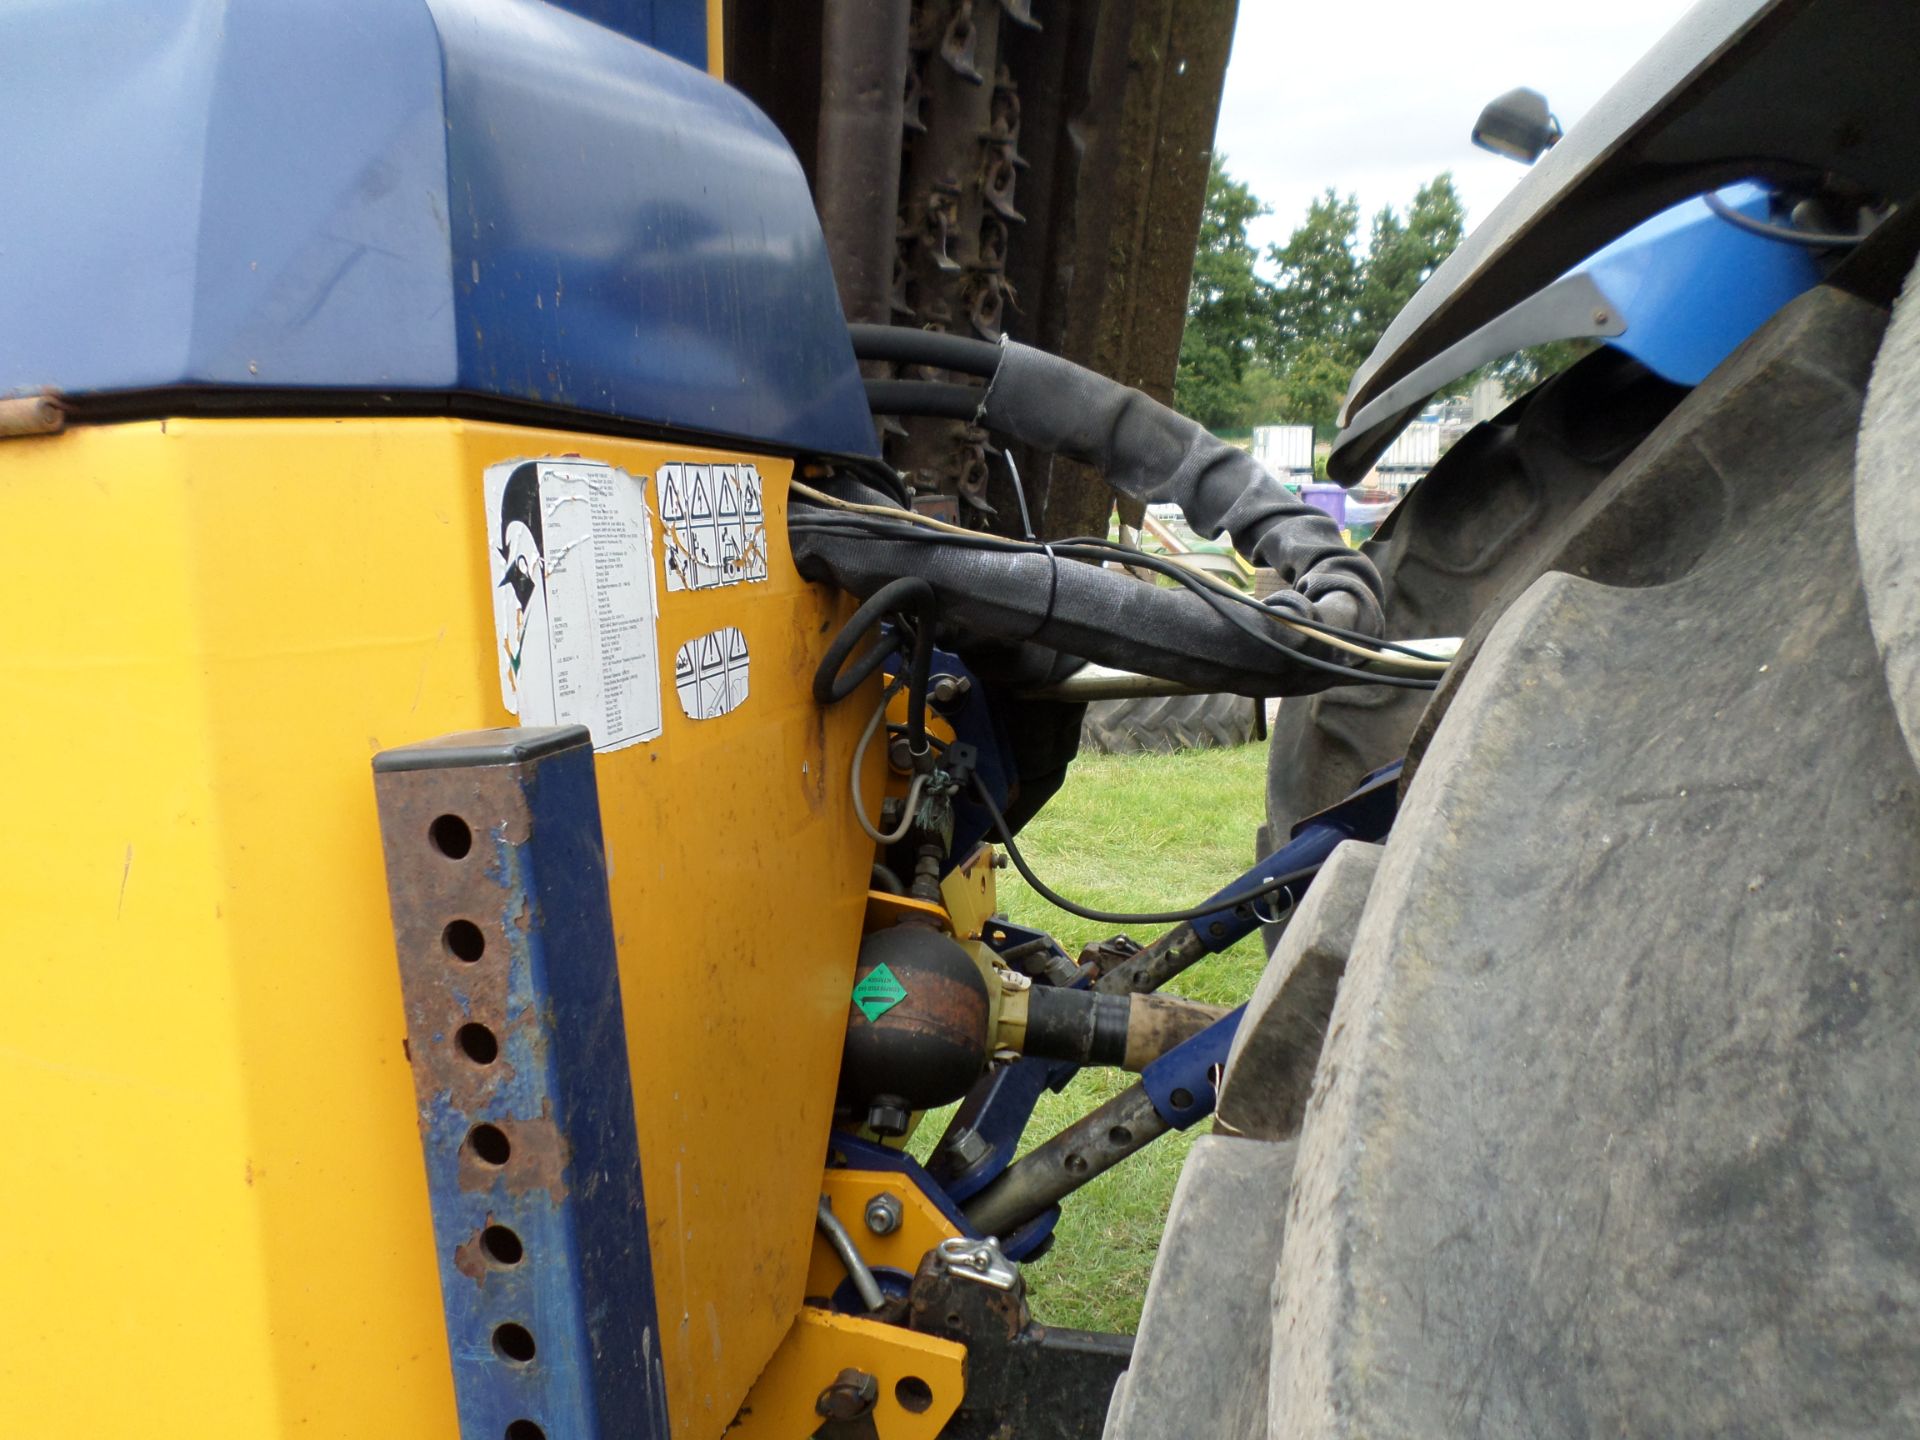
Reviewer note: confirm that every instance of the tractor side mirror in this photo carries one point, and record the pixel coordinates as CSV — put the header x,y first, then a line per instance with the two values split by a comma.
x,y
1518,125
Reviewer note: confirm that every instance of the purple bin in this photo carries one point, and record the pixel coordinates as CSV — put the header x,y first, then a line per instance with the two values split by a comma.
x,y
1330,498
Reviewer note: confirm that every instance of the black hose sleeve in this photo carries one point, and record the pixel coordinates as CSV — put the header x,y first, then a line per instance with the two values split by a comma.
x,y
1077,1025
910,345
1150,453
924,397
1098,615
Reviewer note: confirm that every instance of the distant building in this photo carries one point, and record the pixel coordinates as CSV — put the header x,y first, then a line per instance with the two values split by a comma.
x,y
1286,450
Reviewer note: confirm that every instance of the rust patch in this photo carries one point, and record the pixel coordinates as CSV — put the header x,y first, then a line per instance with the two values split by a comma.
x,y
470,1260
538,1159
936,1007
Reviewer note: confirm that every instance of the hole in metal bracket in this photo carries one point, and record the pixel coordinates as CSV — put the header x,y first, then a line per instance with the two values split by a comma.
x,y
464,940
489,1144
513,1342
501,1245
451,836
477,1043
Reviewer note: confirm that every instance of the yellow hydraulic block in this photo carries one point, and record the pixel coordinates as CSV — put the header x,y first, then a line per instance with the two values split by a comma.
x,y
920,1226
212,1171
916,1380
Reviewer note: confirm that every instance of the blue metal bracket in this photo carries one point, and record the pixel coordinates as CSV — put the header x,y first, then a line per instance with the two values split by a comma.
x,y
496,871
1184,1083
1366,814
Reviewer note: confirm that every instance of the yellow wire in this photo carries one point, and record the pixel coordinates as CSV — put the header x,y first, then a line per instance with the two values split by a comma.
x,y
911,517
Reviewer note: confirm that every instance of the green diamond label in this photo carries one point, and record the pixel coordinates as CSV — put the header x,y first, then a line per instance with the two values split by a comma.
x,y
878,992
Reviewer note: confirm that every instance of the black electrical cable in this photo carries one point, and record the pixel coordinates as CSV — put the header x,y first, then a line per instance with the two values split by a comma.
x,y
1159,565
1279,884
835,680
919,673
909,345
924,397
1789,234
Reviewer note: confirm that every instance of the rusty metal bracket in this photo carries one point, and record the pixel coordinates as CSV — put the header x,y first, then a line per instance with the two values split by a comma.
x,y
496,872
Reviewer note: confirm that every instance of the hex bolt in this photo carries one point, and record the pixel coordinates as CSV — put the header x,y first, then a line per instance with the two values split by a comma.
x,y
968,1146
949,688
884,1213
851,1395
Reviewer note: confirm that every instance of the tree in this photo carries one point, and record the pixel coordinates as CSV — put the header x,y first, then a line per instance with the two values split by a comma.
x,y
1400,256
1319,285
1256,351
1315,381
1228,305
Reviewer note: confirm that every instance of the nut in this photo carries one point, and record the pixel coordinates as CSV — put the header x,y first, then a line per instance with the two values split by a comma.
x,y
884,1213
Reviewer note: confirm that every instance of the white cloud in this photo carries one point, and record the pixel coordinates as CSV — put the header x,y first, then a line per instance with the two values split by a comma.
x,y
1376,97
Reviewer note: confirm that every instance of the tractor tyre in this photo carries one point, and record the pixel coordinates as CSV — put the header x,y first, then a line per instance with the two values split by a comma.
x,y
1454,543
1165,723
1610,1130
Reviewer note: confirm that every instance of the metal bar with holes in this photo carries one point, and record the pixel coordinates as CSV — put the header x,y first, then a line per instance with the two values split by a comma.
x,y
496,871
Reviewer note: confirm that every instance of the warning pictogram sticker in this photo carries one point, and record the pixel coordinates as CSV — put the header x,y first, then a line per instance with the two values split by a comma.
x,y
710,673
715,523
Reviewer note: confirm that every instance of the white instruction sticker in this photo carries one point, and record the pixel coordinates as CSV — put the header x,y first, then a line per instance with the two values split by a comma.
x,y
710,673
570,551
715,523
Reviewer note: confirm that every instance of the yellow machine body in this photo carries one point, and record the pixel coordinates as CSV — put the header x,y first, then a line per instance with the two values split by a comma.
x,y
213,1176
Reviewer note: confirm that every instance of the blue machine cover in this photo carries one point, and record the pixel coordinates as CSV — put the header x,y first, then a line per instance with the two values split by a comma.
x,y
1691,286
489,197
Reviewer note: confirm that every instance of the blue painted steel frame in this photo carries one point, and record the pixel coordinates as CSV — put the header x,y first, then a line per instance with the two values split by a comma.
x,y
674,27
559,1092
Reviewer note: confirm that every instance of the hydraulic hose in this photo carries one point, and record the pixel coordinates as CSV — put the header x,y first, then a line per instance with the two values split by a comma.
x,y
909,345
924,397
834,681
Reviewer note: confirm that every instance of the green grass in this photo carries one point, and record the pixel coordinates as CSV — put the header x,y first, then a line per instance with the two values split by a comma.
x,y
1129,832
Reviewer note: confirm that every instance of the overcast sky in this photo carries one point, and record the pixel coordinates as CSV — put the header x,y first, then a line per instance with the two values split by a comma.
x,y
1378,96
